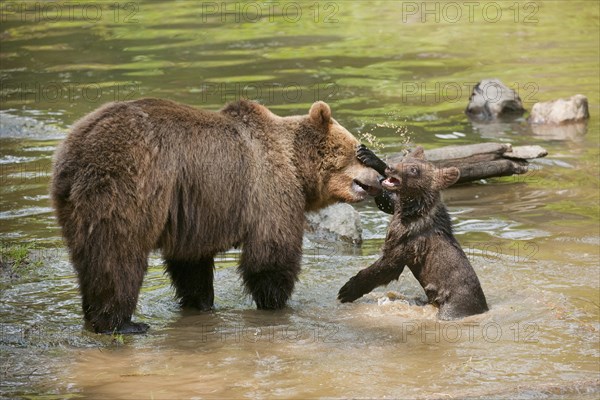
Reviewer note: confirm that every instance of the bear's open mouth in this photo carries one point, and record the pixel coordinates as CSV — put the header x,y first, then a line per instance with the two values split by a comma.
x,y
390,183
361,187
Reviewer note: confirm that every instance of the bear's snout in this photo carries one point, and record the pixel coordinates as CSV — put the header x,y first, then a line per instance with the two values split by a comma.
x,y
371,190
368,180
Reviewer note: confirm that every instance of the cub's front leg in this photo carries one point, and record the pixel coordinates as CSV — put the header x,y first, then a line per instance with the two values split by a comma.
x,y
369,159
378,274
385,201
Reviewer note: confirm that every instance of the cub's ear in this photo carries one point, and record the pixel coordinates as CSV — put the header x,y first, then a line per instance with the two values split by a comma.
x,y
418,153
320,113
447,177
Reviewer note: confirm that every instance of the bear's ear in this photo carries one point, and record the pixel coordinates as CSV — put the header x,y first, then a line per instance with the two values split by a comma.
x,y
320,113
447,177
418,153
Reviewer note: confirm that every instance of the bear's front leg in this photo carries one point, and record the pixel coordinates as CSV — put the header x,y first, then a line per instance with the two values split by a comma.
x,y
270,288
270,271
378,274
193,282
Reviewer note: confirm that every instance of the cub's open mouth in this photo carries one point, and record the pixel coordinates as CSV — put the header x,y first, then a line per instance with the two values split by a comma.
x,y
362,188
390,183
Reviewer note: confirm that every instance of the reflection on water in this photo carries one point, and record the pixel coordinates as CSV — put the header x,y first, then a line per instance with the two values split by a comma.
x,y
532,239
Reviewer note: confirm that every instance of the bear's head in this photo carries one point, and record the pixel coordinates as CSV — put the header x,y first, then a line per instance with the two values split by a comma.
x,y
331,155
414,176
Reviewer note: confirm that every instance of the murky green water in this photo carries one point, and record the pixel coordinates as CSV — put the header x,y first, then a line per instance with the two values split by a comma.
x,y
533,240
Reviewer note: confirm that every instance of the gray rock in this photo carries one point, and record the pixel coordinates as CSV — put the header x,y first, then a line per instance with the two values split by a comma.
x,y
336,222
561,111
526,152
491,100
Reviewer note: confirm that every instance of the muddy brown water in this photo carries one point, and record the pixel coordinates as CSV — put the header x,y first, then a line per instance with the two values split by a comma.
x,y
385,68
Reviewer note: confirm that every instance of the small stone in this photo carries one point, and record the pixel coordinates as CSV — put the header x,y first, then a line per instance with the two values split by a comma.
x,y
526,152
561,111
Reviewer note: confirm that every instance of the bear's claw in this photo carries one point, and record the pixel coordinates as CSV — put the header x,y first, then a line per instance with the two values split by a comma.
x,y
349,292
369,159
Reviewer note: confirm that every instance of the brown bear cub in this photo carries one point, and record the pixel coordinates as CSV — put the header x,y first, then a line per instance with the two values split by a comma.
x,y
154,174
420,237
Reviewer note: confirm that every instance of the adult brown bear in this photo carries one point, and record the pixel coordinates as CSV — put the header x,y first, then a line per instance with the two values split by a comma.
x,y
154,174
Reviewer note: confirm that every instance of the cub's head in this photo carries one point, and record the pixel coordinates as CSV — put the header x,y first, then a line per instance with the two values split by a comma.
x,y
414,176
340,176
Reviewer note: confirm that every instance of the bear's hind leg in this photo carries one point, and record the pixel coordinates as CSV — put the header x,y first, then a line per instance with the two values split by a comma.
x,y
109,287
193,282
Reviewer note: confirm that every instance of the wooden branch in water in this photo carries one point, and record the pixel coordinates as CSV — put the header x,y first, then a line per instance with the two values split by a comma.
x,y
482,160
467,151
488,169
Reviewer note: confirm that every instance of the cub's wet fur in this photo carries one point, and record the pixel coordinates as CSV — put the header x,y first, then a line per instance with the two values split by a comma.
x,y
420,237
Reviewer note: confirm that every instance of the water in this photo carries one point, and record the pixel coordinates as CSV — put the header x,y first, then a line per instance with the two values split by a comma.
x,y
533,239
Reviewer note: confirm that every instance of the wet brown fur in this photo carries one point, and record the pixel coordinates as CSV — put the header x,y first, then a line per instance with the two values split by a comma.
x,y
154,174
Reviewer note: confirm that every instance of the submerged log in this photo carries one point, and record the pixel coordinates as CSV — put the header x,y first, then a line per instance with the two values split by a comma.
x,y
482,160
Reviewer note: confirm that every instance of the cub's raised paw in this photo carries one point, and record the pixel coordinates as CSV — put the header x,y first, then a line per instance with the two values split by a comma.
x,y
369,159
364,154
